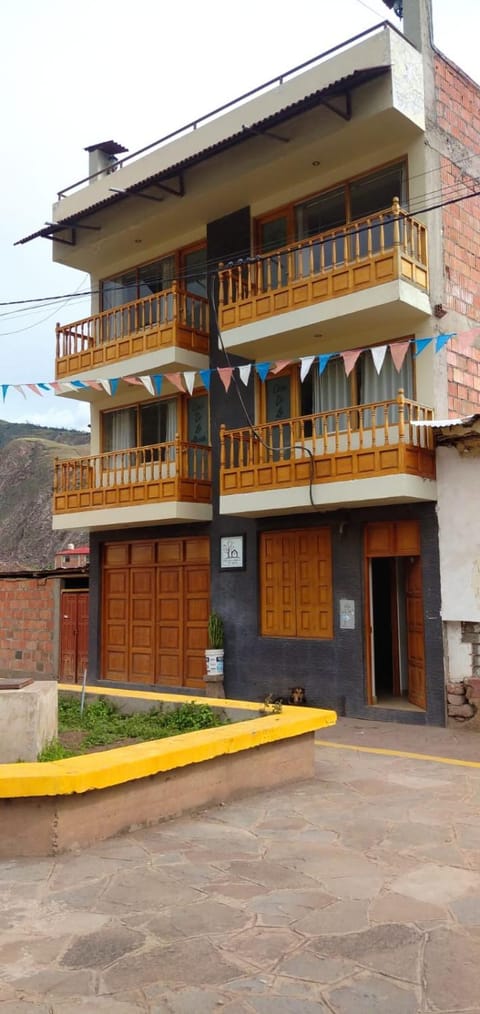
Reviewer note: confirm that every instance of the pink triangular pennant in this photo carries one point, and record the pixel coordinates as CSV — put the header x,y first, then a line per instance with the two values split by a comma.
x,y
34,388
55,385
225,374
349,359
398,351
280,365
94,384
176,380
133,380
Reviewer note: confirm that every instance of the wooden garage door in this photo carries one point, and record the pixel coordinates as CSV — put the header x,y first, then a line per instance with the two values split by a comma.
x,y
156,600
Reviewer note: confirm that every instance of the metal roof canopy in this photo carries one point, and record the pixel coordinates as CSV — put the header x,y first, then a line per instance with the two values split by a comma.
x,y
341,88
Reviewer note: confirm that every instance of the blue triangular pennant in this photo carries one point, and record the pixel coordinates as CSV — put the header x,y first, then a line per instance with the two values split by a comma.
x,y
114,384
45,387
442,340
323,360
4,390
157,382
421,345
206,376
262,369
74,383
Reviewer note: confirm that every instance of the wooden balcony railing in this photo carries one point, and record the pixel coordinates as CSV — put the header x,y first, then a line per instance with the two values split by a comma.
x,y
358,442
172,317
371,251
175,471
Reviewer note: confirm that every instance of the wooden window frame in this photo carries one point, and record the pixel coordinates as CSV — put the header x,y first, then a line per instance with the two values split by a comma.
x,y
179,256
138,405
293,370
288,210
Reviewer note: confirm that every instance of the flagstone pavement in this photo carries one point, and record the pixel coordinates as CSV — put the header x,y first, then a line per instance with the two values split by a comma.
x,y
354,893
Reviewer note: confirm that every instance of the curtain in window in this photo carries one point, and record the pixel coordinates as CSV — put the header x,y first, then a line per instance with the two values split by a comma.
x,y
385,385
330,392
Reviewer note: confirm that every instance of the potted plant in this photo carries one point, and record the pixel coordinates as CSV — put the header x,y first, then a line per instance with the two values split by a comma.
x,y
214,652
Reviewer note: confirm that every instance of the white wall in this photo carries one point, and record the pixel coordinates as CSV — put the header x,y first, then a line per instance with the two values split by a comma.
x,y
458,488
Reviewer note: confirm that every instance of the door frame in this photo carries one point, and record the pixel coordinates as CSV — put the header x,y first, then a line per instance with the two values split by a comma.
x,y
392,539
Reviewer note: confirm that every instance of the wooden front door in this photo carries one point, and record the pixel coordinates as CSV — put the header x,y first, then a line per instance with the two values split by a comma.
x,y
73,635
156,600
395,636
415,633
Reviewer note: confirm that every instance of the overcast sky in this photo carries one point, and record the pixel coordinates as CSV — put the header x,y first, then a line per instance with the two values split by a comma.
x,y
74,74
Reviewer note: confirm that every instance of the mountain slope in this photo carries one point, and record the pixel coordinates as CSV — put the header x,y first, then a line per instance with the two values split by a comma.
x,y
26,482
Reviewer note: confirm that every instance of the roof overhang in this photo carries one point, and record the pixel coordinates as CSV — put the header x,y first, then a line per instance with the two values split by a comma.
x,y
462,433
335,96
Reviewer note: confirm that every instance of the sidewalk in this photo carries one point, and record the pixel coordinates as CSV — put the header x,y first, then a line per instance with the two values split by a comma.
x,y
457,742
355,893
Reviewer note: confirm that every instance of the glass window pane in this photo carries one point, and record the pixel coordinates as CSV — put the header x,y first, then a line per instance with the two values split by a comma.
x,y
197,419
327,211
376,192
116,291
273,234
119,429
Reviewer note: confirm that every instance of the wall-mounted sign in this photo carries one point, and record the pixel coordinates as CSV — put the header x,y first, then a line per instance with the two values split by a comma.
x,y
232,552
347,614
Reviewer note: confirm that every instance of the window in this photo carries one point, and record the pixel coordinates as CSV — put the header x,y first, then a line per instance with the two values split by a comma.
x,y
353,200
296,592
140,425
286,397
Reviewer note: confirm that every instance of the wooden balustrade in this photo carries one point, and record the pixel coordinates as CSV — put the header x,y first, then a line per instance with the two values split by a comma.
x,y
172,317
354,442
175,470
370,251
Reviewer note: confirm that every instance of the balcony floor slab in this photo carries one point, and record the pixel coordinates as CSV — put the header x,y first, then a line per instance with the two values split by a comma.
x,y
370,492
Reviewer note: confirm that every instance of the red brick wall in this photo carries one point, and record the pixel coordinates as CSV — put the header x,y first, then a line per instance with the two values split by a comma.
x,y
27,610
458,115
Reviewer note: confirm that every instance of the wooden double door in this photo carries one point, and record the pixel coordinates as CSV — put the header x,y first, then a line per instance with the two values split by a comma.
x,y
156,600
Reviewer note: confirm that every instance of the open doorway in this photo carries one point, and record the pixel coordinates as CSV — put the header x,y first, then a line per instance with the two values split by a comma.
x,y
395,649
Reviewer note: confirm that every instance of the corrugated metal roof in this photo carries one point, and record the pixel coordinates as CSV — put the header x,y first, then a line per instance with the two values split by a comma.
x,y
339,87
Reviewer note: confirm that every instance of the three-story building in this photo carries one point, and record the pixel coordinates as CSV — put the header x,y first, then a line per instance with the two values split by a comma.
x,y
263,282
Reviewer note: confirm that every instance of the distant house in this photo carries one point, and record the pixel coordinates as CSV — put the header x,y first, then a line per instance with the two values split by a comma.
x,y
72,556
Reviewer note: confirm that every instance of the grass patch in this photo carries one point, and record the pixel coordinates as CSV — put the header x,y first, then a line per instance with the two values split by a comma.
x,y
102,724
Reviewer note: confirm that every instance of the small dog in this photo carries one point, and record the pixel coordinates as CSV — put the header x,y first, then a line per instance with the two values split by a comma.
x,y
297,695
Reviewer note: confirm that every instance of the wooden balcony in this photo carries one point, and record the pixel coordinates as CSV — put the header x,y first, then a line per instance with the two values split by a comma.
x,y
361,442
385,247
174,471
166,319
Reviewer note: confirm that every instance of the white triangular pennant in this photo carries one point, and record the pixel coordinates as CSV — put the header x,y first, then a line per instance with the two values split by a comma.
x,y
106,385
378,356
189,379
148,384
244,373
305,365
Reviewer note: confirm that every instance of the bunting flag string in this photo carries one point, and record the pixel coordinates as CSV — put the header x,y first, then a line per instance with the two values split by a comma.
x,y
185,381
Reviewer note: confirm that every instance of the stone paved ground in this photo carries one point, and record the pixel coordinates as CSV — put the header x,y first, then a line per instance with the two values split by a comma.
x,y
355,893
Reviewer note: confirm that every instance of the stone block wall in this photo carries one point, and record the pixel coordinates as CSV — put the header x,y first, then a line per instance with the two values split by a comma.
x,y
463,697
28,639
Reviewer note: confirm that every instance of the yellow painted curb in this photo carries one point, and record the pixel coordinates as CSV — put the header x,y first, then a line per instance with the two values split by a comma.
x,y
399,753
114,767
